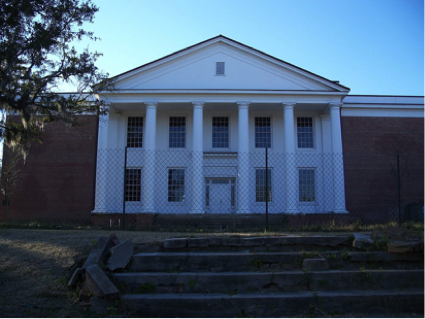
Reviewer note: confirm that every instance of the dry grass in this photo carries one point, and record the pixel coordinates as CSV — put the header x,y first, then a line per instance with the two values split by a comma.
x,y
35,264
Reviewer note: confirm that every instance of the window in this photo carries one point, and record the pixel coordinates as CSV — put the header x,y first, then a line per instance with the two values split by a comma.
x,y
133,177
263,135
177,132
307,192
135,131
219,68
261,190
305,132
220,132
176,185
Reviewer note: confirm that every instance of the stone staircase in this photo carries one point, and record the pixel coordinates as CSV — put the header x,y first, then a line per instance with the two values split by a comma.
x,y
287,276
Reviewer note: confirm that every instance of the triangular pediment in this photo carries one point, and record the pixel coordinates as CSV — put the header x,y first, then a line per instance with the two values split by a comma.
x,y
194,68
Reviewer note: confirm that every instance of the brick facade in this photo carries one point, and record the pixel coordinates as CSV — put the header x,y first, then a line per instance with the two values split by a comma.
x,y
58,177
370,164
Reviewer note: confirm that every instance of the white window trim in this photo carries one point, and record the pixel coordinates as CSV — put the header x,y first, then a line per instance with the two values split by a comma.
x,y
168,130
136,203
272,203
183,203
313,203
221,149
315,133
271,131
126,129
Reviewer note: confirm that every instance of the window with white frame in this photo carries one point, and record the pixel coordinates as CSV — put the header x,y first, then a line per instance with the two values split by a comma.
x,y
261,181
263,132
133,179
177,132
307,185
305,132
135,131
220,132
176,185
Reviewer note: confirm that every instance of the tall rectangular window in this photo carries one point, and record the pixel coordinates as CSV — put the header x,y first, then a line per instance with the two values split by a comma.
x,y
220,132
305,132
177,132
263,133
135,131
261,191
176,185
133,179
307,187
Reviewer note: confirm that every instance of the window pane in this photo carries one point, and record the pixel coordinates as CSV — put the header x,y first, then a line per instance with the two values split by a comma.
x,y
307,192
176,185
177,133
305,132
260,185
135,131
262,132
133,184
220,132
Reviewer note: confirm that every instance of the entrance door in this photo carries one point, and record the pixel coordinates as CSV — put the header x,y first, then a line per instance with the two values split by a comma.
x,y
219,194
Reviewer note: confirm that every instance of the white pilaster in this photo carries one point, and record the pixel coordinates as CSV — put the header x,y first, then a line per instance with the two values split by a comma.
x,y
198,159
243,157
102,164
148,173
337,159
291,167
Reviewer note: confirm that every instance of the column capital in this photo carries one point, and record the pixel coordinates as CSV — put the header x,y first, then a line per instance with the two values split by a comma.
x,y
288,104
243,104
198,104
334,105
151,104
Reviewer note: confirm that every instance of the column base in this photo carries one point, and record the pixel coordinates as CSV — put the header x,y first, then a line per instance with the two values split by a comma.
x,y
340,211
196,211
291,211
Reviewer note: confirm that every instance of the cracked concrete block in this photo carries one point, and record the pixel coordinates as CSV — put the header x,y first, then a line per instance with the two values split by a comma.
x,y
197,242
214,241
76,277
99,283
99,252
362,241
402,247
175,243
315,264
253,241
120,255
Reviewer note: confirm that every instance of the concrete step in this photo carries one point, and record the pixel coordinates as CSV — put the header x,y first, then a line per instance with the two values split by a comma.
x,y
282,304
257,243
244,282
213,261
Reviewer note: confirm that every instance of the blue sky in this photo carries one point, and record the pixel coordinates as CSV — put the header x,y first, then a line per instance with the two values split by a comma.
x,y
371,46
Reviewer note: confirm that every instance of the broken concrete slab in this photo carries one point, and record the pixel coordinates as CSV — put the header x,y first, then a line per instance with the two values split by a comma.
x,y
315,264
175,243
362,241
99,252
114,239
402,247
197,242
76,277
99,283
120,255
253,241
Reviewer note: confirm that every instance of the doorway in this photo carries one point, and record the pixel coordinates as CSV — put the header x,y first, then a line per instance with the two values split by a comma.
x,y
220,195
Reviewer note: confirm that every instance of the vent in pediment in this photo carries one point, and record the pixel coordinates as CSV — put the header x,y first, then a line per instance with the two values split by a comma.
x,y
219,68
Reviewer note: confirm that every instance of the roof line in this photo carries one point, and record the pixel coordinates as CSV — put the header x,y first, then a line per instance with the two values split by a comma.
x,y
239,43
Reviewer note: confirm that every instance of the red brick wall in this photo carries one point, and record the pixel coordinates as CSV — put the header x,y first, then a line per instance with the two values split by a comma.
x,y
370,164
58,177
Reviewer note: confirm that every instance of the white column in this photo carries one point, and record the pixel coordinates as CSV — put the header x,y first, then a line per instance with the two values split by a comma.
x,y
337,159
102,165
243,157
291,167
198,159
148,172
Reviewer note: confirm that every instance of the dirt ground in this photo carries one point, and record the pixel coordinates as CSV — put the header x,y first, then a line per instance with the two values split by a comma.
x,y
35,266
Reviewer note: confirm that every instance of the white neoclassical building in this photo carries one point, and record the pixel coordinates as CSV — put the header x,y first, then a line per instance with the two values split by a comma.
x,y
196,124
